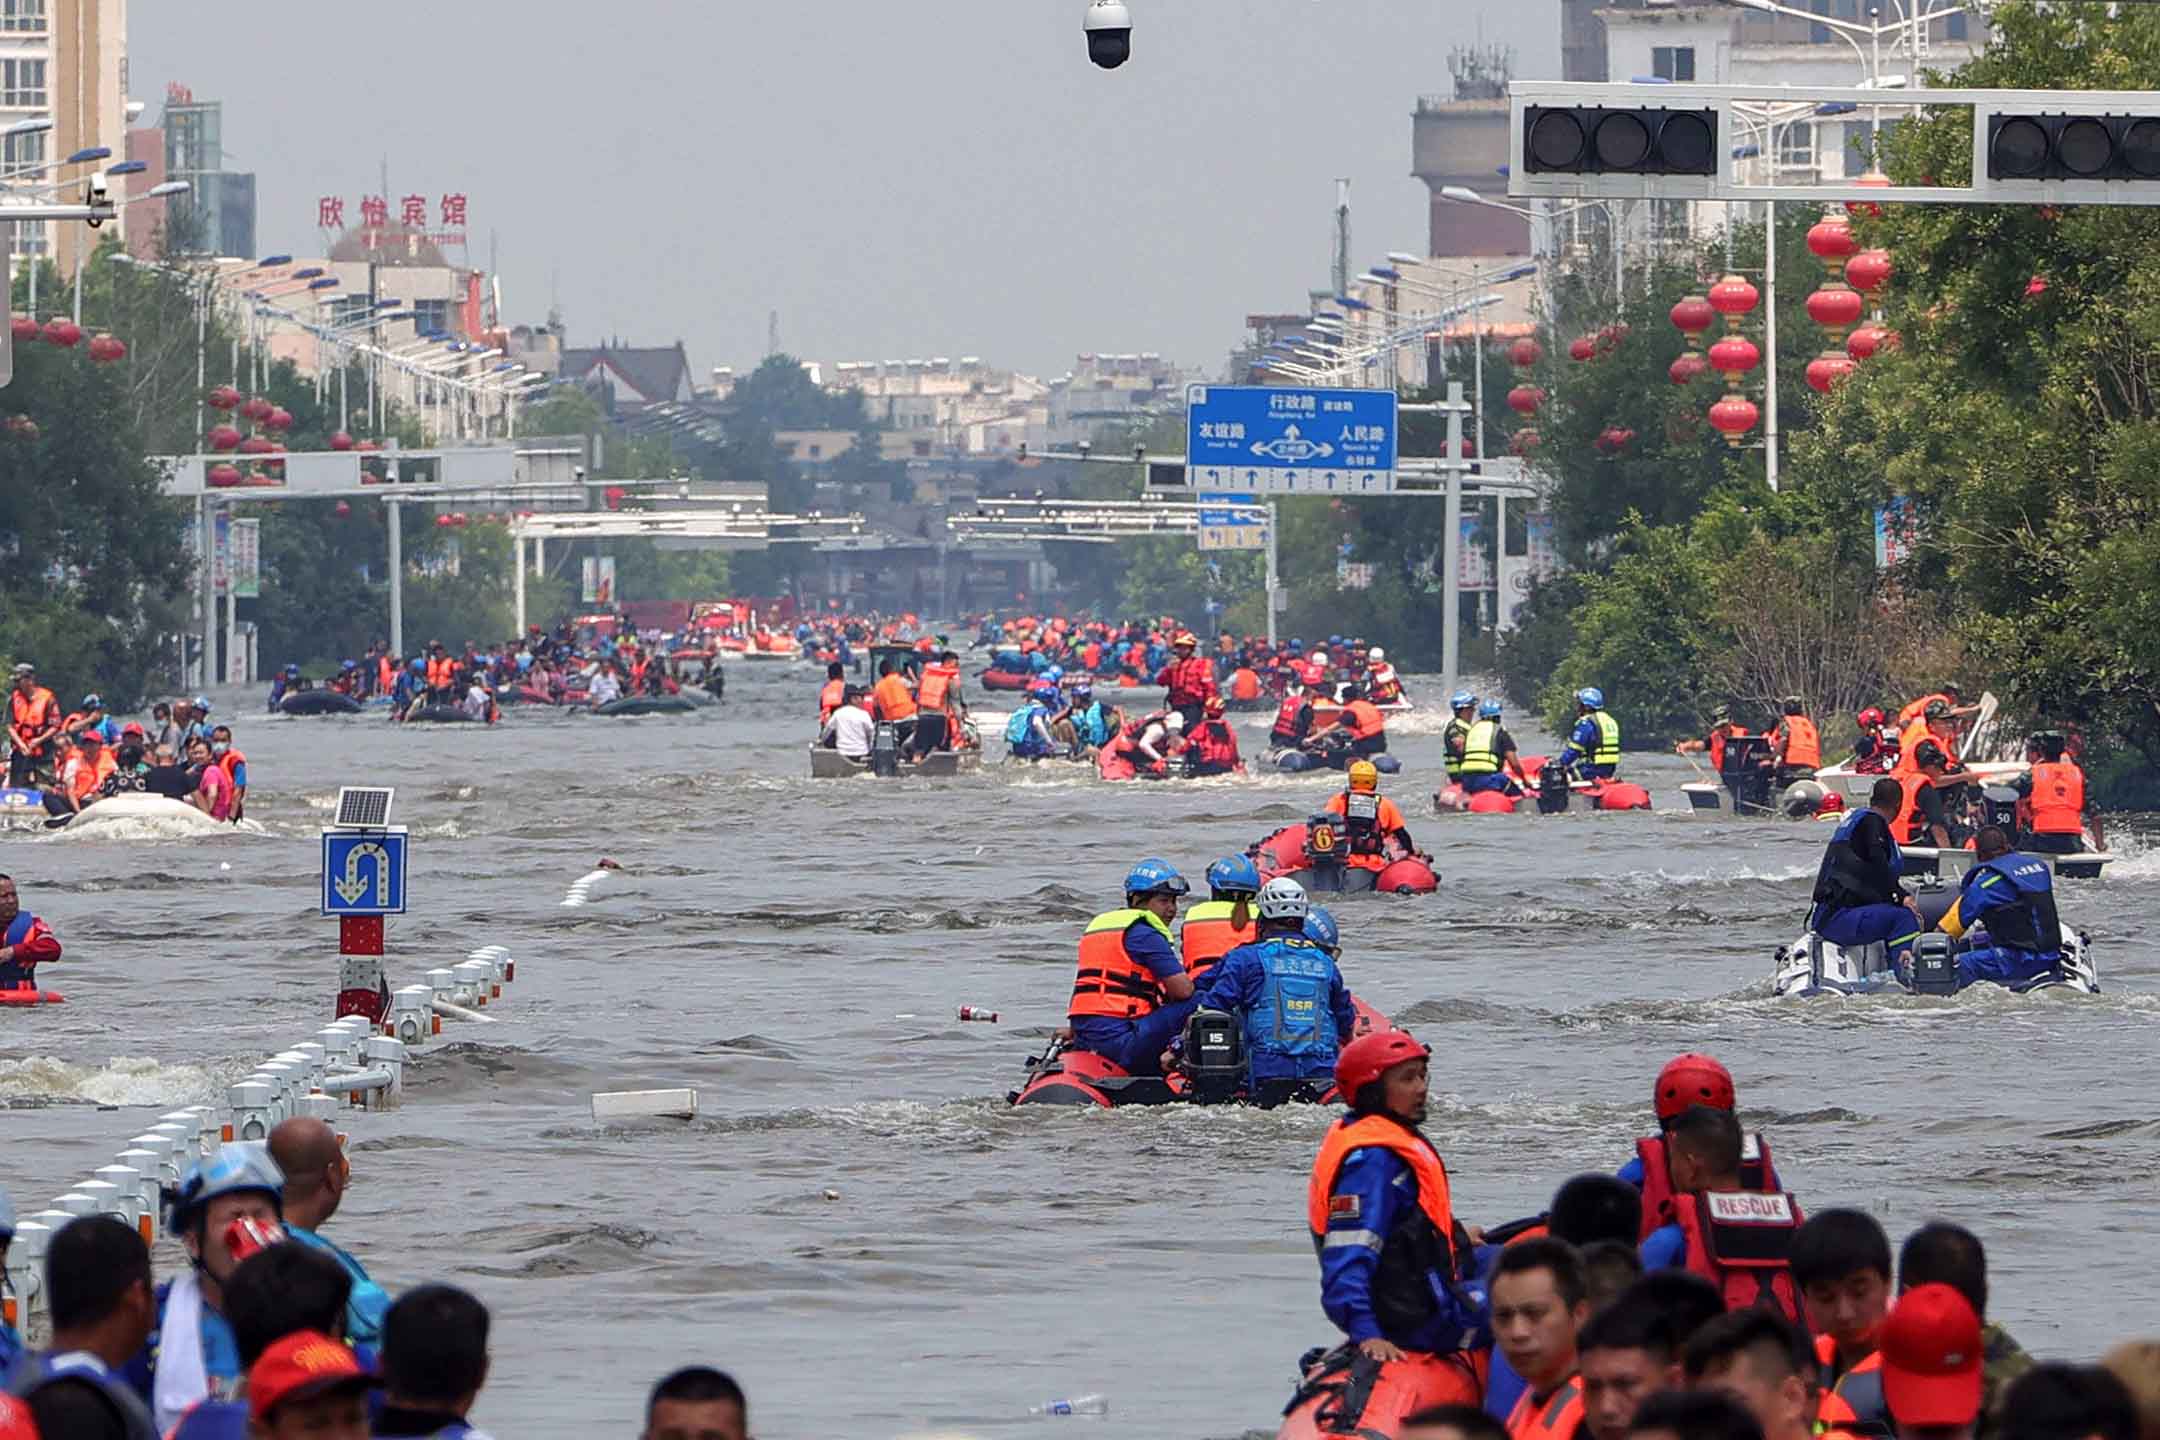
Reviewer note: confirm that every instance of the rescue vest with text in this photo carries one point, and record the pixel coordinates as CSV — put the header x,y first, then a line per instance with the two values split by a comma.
x,y
1742,1243
1608,739
1208,934
1385,686
2026,922
1361,818
1659,1199
1292,1015
2058,798
1418,1257
1291,721
1481,749
937,683
1803,743
1110,982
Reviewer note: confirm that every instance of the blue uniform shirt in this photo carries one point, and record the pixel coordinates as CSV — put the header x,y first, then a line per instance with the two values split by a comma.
x,y
1106,1034
1240,984
1385,1189
1665,1249
369,1303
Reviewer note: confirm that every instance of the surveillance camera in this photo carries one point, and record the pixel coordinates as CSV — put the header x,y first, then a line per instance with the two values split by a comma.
x,y
577,472
1085,447
1109,33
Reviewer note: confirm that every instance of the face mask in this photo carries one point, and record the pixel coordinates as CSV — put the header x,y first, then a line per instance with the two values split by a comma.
x,y
219,748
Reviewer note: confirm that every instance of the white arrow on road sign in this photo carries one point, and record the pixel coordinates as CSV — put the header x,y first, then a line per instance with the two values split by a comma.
x,y
352,887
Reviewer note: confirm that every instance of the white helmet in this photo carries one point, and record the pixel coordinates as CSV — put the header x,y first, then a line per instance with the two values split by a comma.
x,y
1175,720
1283,899
1376,654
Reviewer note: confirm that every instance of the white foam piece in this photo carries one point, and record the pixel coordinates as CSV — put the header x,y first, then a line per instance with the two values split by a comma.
x,y
643,1105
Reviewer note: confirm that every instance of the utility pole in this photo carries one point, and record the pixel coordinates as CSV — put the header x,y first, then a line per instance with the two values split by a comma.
x,y
1342,235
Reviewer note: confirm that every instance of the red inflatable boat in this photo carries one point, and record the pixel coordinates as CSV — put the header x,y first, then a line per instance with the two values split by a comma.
x,y
1214,1073
31,995
1006,680
1349,1395
1549,794
1312,854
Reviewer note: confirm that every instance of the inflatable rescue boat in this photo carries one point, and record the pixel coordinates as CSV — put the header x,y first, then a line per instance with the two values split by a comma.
x,y
1556,789
317,702
1347,1395
1212,1072
1316,855
30,995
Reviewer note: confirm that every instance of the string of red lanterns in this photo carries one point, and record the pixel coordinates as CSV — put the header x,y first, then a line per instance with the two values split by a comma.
x,y
1734,297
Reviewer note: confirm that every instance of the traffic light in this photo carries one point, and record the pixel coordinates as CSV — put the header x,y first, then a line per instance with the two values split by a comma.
x,y
2073,147
1619,140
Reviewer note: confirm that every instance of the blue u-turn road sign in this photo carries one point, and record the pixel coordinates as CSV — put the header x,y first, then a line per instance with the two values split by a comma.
x,y
363,872
1282,440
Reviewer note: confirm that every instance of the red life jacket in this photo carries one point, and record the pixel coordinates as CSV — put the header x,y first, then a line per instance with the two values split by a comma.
x,y
1742,1243
2058,798
1757,1175
1214,744
1286,730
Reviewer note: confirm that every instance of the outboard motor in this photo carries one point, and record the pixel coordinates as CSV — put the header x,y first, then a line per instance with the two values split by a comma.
x,y
1802,798
885,751
1745,775
1326,845
1998,804
1553,794
1934,967
1214,1056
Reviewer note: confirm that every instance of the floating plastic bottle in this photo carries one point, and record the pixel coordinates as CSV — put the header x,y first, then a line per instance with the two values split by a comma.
x,y
1083,1405
977,1012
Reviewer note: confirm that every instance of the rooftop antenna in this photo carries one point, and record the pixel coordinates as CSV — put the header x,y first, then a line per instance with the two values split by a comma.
x,y
772,333
1342,235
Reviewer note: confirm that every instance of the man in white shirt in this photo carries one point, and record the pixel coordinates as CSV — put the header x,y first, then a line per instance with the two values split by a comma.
x,y
604,686
850,730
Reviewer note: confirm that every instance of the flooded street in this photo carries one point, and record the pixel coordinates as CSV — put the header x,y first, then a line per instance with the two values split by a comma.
x,y
796,950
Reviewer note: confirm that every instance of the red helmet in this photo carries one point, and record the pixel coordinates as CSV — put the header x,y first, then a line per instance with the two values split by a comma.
x,y
1368,1057
1691,1079
1871,717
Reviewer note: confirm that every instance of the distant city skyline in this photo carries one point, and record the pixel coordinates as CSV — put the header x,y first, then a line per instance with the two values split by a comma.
x,y
895,182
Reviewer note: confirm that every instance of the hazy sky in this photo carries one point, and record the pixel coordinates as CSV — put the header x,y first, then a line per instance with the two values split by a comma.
x,y
898,178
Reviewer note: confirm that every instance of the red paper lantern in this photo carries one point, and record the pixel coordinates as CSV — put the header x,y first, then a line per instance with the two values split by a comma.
x,y
368,447
255,445
1867,270
1826,369
460,519
256,408
1830,240
1612,440
105,349
342,509
1864,342
223,437
1692,316
1583,348
2034,288
341,441
224,397
63,333
23,328
278,419
1685,369
1836,308
1733,297
222,476
443,522
1525,440
1525,399
1735,355
1525,352
1874,180
1733,417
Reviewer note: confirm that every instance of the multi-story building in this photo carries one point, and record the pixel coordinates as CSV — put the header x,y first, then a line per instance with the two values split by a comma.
x,y
942,406
217,215
66,59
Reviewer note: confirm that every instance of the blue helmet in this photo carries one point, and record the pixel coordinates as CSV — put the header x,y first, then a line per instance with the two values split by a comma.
x,y
292,670
419,666
1297,645
1320,928
1334,639
1083,688
348,665
1155,877
1047,694
1233,875
202,704
1054,674
1461,698
1490,710
1591,696
244,1165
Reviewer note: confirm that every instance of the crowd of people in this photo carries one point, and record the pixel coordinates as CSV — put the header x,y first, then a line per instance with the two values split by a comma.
x,y
71,760
271,1331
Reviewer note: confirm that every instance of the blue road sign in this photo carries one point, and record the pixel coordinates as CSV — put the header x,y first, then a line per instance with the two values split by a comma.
x,y
363,872
1225,526
1277,440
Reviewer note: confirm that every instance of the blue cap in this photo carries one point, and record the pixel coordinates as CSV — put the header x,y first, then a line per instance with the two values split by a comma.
x,y
1591,696
1320,928
1461,698
1152,876
1490,710
1234,875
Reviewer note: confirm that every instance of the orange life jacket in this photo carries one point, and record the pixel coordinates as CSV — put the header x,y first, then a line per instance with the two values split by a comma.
x,y
1208,934
2058,798
1742,1244
1286,718
1244,684
1109,981
1911,733
33,712
1556,1419
937,681
1717,738
1091,655
1803,743
1917,709
385,675
441,670
1365,719
1367,830
1854,1399
893,700
1901,829
1385,1133
1757,1175
830,699
230,762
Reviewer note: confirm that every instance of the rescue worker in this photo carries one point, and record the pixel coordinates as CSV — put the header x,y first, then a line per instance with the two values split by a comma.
x,y
892,702
1360,730
1857,898
1028,731
1211,747
236,1194
1131,994
1489,761
33,721
1841,1261
26,942
1923,818
1722,728
1685,1081
1374,824
1594,747
1795,745
935,695
1875,752
441,674
1382,684
2054,795
1932,723
1949,697
1539,1303
1286,992
1321,929
1225,920
1293,720
92,716
1392,1255
834,693
1159,737
1188,680
1093,722
1705,1146
83,767
2012,895
1464,704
